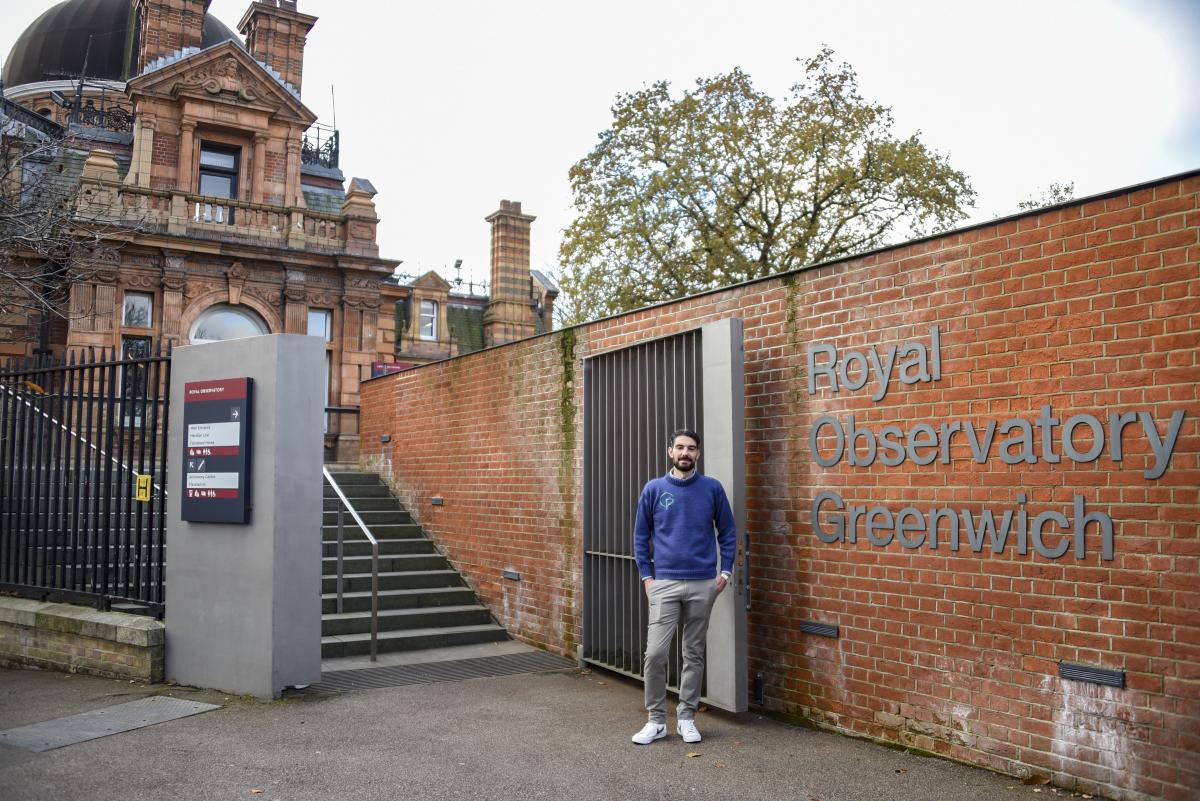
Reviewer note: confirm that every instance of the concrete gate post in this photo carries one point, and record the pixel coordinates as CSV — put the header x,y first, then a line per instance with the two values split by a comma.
x,y
724,449
243,602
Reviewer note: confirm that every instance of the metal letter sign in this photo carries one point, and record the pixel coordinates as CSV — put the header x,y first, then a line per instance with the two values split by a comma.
x,y
216,451
142,491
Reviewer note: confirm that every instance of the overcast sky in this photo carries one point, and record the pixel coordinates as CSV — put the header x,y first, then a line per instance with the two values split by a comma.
x,y
449,107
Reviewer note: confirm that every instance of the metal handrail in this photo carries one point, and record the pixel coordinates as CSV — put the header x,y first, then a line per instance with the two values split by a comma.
x,y
374,560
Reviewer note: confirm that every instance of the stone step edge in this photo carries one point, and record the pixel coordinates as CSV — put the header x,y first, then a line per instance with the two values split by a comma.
x,y
332,596
407,612
402,634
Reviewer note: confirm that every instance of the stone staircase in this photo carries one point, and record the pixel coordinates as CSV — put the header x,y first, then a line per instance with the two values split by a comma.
x,y
423,601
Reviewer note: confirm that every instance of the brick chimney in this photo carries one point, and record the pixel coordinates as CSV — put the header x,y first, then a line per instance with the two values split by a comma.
x,y
165,26
275,34
510,313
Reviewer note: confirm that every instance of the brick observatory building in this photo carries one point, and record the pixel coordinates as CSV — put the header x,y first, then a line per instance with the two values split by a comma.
x,y
973,460
232,215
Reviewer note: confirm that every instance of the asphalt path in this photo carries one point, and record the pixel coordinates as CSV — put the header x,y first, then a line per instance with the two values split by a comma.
x,y
542,736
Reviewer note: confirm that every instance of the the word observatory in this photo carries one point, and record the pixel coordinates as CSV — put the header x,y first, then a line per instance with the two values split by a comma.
x,y
1047,438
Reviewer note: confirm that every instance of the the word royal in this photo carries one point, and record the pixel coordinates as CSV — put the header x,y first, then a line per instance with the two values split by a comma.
x,y
1046,438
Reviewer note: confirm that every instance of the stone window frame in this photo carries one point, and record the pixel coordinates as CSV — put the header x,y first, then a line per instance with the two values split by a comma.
x,y
219,145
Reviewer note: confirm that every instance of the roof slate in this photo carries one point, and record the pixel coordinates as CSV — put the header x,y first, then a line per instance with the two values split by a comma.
x,y
324,201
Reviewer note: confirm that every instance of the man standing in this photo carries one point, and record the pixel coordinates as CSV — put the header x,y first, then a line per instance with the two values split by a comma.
x,y
676,554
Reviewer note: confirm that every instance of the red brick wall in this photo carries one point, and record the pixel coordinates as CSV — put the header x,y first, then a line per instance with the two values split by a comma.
x,y
168,25
165,152
275,175
1092,309
277,38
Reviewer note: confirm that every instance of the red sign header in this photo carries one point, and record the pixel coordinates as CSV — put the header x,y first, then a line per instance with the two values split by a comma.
x,y
224,389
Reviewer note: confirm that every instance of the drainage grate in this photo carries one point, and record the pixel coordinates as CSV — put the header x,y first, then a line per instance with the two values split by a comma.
x,y
1092,675
59,732
820,629
433,672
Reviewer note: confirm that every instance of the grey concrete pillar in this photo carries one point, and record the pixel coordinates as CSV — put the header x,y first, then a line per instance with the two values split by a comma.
x,y
243,602
724,451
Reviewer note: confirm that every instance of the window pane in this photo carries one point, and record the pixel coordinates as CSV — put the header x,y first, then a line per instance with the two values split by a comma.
x,y
135,347
224,159
428,320
216,185
226,322
320,324
132,378
139,310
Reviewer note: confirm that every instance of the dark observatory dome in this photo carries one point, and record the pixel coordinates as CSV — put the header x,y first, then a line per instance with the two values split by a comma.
x,y
55,45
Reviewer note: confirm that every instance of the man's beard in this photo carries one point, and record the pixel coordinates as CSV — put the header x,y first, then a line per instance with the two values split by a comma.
x,y
683,464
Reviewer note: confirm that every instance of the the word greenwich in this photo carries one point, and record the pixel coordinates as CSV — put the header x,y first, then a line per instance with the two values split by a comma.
x,y
1046,438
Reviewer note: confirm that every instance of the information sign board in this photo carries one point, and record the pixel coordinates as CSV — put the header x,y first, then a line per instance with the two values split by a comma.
x,y
217,428
387,368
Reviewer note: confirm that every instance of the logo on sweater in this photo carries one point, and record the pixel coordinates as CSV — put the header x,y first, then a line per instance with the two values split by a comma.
x,y
665,500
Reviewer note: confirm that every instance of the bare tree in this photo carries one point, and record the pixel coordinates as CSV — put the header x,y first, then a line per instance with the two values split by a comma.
x,y
48,238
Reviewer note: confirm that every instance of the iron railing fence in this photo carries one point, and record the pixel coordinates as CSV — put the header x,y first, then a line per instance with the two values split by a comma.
x,y
320,146
76,434
633,399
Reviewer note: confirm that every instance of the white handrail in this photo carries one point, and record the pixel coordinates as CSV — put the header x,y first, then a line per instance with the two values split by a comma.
x,y
342,496
374,561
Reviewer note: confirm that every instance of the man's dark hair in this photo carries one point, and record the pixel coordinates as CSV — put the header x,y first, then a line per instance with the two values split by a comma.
x,y
683,432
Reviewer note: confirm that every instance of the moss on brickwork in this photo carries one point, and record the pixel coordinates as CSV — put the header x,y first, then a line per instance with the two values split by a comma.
x,y
792,291
567,344
466,328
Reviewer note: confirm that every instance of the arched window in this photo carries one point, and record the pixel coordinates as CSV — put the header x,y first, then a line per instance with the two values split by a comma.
x,y
222,322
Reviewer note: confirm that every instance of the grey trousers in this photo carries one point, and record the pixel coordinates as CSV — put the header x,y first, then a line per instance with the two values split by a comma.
x,y
669,601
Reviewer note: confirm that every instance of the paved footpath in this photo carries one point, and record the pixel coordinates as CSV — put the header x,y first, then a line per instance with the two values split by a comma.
x,y
543,736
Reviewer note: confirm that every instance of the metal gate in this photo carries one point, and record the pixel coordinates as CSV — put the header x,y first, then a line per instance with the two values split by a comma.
x,y
633,399
75,435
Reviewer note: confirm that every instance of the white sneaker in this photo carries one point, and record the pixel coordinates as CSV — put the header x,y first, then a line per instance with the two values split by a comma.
x,y
687,730
650,732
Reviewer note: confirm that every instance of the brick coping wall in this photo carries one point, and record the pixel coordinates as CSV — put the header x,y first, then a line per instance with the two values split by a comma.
x,y
78,639
1082,318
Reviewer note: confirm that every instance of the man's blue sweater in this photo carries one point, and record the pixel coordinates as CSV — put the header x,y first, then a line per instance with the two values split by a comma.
x,y
673,533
